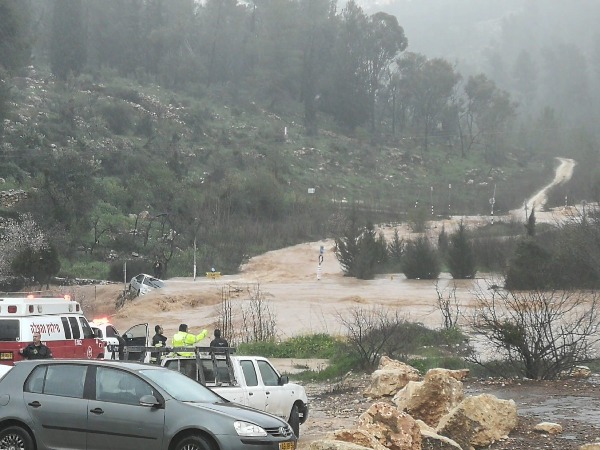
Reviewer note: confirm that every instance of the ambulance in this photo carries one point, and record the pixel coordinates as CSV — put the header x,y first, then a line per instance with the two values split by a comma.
x,y
59,320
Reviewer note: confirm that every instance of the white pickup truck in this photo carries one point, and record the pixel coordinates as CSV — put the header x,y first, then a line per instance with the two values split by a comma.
x,y
247,380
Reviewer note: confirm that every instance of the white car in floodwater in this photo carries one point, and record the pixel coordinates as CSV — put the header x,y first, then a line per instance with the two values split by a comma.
x,y
143,283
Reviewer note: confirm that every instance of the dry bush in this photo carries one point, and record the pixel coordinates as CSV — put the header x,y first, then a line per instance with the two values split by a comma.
x,y
254,321
542,333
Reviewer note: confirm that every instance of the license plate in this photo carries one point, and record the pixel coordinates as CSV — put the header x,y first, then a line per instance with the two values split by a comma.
x,y
6,356
287,446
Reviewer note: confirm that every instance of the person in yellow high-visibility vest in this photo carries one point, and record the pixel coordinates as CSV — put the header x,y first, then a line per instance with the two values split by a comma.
x,y
184,339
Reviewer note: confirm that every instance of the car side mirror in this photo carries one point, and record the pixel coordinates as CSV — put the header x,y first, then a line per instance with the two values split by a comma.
x,y
149,400
128,336
283,379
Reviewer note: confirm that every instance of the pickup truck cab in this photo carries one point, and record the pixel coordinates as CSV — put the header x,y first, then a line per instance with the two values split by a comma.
x,y
247,380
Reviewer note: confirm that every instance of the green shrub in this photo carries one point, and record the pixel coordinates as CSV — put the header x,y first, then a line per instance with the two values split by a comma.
x,y
118,117
444,362
11,284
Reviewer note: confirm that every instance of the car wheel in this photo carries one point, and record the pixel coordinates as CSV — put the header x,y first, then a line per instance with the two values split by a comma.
x,y
294,420
138,293
15,438
193,443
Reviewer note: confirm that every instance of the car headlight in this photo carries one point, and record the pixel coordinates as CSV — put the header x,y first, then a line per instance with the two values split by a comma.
x,y
248,429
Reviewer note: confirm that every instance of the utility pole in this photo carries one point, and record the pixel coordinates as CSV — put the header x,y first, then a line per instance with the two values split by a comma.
x,y
194,257
492,201
431,201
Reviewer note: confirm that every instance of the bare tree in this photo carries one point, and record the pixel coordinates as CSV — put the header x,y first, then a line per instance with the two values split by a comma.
x,y
448,305
225,314
372,332
540,333
258,320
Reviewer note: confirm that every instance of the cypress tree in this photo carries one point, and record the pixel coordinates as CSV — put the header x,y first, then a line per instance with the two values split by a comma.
x,y
420,260
461,258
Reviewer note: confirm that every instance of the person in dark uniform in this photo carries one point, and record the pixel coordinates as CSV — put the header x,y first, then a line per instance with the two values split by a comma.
x,y
36,350
218,341
158,340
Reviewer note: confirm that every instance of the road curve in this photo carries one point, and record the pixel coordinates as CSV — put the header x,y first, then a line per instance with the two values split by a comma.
x,y
563,173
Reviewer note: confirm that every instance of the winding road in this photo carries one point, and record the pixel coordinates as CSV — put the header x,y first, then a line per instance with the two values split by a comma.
x,y
564,172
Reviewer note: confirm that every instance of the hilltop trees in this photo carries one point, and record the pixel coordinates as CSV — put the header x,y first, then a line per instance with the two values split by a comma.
x,y
14,48
425,88
68,41
487,112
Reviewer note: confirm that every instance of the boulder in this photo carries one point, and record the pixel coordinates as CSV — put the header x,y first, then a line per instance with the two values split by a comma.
x,y
424,426
335,445
479,421
595,446
432,398
392,428
548,427
385,362
390,377
358,437
458,374
581,372
433,441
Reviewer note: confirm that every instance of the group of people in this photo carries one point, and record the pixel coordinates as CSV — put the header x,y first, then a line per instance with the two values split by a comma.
x,y
38,350
184,339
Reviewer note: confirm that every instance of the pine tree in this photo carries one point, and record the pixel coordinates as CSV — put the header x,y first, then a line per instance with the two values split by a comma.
x,y
529,267
420,260
461,258
360,252
395,251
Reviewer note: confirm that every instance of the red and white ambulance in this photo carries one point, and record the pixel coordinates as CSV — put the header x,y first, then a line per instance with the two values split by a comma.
x,y
59,320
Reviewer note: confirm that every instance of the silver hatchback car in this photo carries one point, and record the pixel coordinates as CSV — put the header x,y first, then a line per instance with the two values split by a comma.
x,y
98,405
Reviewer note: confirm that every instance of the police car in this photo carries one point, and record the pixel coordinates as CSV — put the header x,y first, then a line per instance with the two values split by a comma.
x,y
115,342
59,320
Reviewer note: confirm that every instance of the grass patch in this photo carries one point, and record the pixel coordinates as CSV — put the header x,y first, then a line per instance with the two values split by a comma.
x,y
309,346
97,270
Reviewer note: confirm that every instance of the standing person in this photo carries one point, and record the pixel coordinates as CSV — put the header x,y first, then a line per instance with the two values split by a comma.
x,y
184,339
218,341
36,350
158,340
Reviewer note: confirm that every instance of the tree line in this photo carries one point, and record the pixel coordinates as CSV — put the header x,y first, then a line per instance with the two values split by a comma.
x,y
340,62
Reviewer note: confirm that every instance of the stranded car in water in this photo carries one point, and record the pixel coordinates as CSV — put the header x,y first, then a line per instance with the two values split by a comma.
x,y
143,283
98,405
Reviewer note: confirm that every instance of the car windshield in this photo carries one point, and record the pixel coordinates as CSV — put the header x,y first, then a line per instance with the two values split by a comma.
x,y
181,387
153,282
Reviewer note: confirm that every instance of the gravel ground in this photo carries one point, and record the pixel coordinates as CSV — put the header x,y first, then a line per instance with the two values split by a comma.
x,y
574,404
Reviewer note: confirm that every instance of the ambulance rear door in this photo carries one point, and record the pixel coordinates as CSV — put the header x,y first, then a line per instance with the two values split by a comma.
x,y
138,336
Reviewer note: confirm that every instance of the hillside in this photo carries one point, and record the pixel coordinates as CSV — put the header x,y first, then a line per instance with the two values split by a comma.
x,y
115,168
